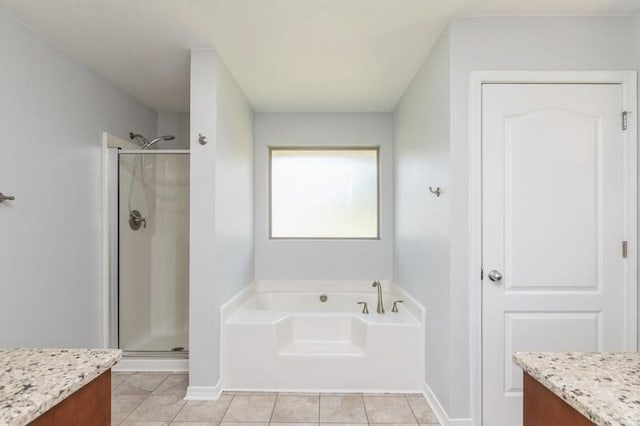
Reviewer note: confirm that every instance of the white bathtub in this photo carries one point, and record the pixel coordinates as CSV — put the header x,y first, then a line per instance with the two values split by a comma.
x,y
280,336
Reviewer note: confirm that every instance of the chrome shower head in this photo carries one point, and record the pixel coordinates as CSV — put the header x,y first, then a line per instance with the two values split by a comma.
x,y
158,139
138,138
145,143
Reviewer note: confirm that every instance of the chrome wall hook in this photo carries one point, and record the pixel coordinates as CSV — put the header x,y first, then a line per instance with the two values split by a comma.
x,y
436,191
202,139
6,197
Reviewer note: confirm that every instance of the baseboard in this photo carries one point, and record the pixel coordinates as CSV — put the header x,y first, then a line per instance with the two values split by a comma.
x,y
204,393
152,364
440,412
460,422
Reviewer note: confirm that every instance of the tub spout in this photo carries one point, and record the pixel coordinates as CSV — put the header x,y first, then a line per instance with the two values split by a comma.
x,y
380,309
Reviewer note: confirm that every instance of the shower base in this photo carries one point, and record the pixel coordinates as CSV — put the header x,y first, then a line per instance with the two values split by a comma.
x,y
160,352
167,342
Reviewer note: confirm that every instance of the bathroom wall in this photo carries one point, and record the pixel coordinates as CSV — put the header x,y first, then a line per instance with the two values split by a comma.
x,y
176,124
490,43
422,231
517,43
221,245
52,114
323,259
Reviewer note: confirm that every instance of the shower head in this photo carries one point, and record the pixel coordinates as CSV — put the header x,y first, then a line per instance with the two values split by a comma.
x,y
145,143
158,139
139,139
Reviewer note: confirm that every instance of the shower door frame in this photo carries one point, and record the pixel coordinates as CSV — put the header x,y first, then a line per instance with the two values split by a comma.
x,y
112,219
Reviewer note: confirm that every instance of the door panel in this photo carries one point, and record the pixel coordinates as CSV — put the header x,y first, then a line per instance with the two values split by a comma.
x,y
563,159
545,331
553,204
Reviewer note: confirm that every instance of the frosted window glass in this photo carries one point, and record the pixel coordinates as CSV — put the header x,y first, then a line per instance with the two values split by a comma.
x,y
324,193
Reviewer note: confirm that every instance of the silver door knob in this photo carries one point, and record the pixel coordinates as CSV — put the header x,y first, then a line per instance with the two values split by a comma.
x,y
495,275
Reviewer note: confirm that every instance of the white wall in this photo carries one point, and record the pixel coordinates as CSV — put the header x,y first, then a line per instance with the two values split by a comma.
x,y
513,43
202,262
172,123
234,191
323,259
422,232
221,215
52,115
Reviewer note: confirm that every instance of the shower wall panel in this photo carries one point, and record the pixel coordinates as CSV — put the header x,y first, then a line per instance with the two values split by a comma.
x,y
153,281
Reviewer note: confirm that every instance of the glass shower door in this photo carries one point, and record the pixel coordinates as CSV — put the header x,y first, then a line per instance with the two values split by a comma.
x,y
153,252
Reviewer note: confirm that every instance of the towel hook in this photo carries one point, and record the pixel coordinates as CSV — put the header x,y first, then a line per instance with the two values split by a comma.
x,y
436,191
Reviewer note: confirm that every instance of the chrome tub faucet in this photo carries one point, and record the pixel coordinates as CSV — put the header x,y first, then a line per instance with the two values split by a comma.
x,y
380,308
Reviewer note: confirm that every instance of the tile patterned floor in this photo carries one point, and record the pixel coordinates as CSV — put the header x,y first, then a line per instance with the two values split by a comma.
x,y
156,399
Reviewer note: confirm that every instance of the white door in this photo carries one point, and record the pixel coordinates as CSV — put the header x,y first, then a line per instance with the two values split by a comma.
x,y
553,215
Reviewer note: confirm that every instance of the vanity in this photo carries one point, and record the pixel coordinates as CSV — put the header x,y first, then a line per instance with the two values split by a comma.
x,y
44,387
577,389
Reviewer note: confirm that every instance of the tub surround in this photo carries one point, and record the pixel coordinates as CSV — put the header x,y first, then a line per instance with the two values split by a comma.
x,y
32,381
603,387
313,336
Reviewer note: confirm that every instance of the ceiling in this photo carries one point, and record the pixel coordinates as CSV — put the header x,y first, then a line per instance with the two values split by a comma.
x,y
287,55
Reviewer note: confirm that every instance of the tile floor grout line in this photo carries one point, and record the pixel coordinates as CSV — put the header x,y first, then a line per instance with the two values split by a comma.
x,y
407,399
273,408
227,408
366,412
180,410
411,408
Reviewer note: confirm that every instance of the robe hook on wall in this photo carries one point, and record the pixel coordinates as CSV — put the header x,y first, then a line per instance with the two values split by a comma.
x,y
436,191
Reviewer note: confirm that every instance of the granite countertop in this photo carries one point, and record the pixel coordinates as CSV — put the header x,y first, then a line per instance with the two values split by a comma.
x,y
604,387
34,380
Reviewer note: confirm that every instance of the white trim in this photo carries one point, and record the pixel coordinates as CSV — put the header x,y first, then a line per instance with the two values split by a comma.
x,y
439,410
434,402
152,364
238,299
155,151
105,242
108,141
204,393
628,81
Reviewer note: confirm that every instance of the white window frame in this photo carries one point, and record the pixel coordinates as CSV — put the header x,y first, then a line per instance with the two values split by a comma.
x,y
325,148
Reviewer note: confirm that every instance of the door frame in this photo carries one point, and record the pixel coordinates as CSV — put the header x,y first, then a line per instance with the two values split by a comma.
x,y
627,79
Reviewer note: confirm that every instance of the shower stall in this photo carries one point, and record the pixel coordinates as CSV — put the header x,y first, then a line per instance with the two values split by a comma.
x,y
148,233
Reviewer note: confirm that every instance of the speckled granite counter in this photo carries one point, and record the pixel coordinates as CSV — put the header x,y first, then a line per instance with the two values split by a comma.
x,y
34,380
604,387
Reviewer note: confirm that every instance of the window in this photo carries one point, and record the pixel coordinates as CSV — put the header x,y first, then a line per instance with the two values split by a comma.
x,y
324,192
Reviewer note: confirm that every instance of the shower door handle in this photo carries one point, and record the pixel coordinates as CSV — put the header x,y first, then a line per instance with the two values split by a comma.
x,y
6,197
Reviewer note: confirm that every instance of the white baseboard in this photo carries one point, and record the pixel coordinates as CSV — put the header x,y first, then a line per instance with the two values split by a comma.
x,y
204,393
152,364
460,422
440,412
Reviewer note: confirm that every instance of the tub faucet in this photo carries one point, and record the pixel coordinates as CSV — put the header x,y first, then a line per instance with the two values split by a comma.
x,y
380,309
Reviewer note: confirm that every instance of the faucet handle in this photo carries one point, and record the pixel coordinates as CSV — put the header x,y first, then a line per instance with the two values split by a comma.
x,y
395,305
365,309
